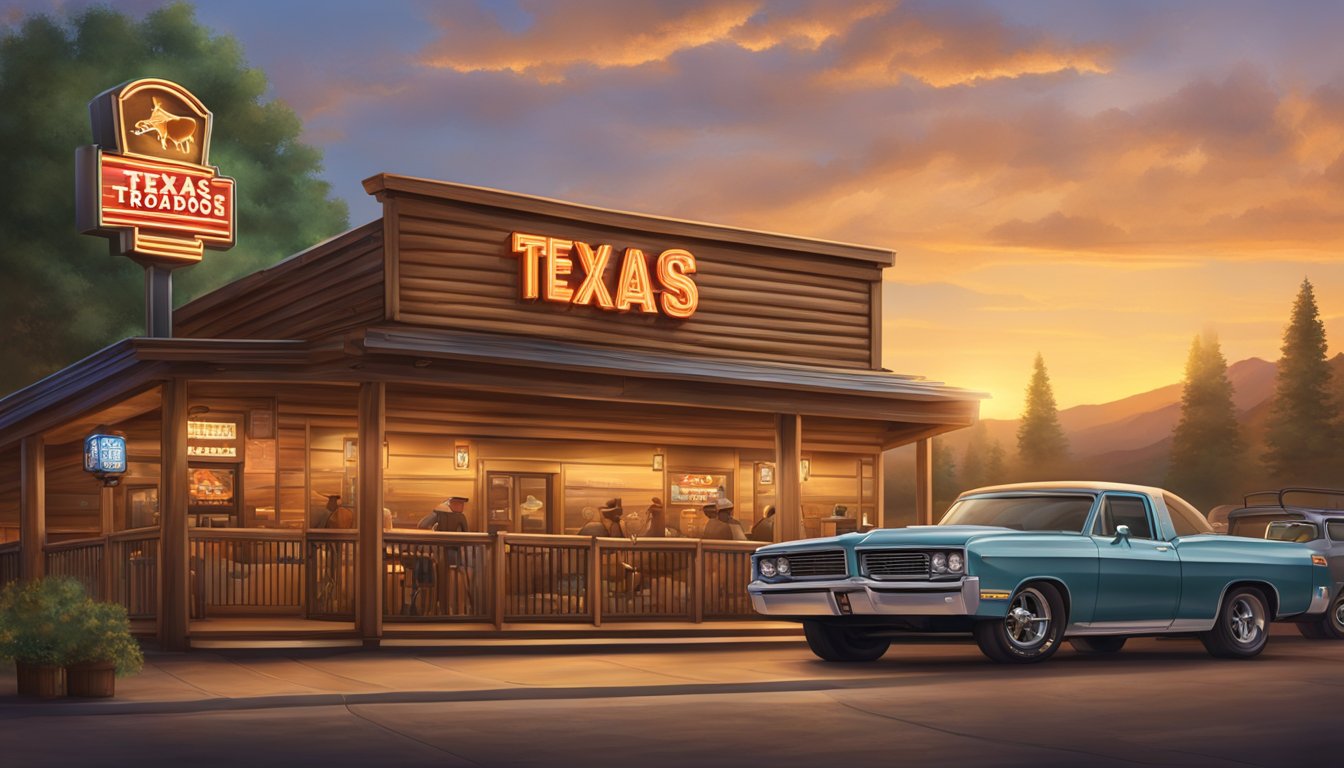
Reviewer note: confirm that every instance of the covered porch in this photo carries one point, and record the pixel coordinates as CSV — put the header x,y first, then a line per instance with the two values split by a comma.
x,y
380,416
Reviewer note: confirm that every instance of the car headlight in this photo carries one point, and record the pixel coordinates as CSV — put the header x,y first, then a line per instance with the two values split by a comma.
x,y
767,567
782,565
955,562
939,562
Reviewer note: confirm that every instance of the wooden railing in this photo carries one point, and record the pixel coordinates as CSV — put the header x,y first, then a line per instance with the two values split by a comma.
x,y
10,559
237,571
132,563
438,576
725,573
649,579
332,557
427,576
82,560
546,577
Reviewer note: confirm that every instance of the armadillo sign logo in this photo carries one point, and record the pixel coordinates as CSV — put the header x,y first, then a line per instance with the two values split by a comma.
x,y
147,184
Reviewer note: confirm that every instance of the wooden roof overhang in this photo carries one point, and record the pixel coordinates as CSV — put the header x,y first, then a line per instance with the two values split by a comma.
x,y
112,383
911,407
119,375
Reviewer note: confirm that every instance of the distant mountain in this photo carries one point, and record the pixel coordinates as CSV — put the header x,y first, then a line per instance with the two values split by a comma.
x,y
1128,440
1135,422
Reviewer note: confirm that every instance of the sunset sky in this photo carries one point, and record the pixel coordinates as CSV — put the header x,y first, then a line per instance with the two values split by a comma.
x,y
1096,181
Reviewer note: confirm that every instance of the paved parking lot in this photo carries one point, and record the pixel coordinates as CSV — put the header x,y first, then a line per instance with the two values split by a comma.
x,y
1159,702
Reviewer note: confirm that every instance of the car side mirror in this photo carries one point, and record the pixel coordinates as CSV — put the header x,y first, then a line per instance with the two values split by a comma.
x,y
1121,534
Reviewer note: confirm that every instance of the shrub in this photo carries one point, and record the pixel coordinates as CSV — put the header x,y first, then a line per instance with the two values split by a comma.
x,y
103,633
37,620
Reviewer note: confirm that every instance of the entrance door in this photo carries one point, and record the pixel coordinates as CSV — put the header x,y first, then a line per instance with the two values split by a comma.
x,y
519,502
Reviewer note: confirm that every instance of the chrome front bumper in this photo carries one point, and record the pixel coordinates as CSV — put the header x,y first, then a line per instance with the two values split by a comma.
x,y
866,597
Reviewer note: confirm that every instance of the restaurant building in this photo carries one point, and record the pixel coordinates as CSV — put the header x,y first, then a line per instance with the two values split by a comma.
x,y
537,357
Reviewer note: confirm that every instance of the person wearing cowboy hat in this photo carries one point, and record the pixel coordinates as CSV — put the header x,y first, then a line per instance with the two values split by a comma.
x,y
447,516
611,518
722,524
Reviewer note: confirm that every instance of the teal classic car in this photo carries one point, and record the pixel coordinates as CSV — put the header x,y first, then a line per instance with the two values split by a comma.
x,y
1025,567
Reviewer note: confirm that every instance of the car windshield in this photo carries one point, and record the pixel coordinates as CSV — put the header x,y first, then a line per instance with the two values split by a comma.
x,y
1022,513
1287,530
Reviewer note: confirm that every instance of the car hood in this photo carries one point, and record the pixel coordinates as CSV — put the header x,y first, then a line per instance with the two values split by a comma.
x,y
930,535
914,536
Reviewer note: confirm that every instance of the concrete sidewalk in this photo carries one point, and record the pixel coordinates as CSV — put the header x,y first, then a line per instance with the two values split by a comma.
x,y
259,679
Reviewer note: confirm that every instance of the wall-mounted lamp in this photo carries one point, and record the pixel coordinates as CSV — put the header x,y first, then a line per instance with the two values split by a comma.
x,y
805,468
462,456
657,462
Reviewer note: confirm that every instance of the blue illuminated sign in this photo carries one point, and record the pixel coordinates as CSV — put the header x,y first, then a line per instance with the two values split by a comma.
x,y
105,454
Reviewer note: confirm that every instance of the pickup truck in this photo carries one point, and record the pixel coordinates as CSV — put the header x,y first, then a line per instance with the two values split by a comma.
x,y
1025,567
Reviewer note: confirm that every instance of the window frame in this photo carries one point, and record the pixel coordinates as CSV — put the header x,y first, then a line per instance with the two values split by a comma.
x,y
1154,530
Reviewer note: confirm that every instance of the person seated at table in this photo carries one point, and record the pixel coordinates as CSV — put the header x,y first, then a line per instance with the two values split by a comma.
x,y
722,524
447,516
334,515
764,529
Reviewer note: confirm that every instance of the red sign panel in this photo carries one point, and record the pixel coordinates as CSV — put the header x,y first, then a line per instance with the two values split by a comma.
x,y
160,196
147,183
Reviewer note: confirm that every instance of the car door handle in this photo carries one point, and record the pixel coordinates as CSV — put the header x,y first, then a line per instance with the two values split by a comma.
x,y
1161,549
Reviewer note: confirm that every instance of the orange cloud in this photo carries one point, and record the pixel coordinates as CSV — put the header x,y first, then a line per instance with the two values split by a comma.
x,y
600,33
875,43
945,50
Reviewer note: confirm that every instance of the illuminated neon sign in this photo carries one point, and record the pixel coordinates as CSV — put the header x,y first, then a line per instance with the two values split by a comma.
x,y
573,272
148,183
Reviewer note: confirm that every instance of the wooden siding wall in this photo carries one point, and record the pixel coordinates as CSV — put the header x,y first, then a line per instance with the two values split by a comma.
x,y
465,414
299,409
842,435
73,496
455,269
334,287
9,495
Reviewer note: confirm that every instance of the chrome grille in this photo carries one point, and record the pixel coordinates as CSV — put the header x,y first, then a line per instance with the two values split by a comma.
x,y
829,563
895,563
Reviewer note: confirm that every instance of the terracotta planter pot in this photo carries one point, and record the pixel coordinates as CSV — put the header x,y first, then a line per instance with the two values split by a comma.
x,y
91,679
44,682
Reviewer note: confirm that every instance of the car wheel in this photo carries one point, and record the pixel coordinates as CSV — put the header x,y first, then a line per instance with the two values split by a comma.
x,y
1098,644
1240,630
1031,631
832,643
1332,625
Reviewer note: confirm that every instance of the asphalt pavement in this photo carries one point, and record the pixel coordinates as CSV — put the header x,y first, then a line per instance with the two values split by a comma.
x,y
1158,702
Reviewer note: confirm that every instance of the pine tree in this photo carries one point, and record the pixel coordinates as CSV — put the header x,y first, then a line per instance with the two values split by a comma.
x,y
1042,448
1206,447
1303,443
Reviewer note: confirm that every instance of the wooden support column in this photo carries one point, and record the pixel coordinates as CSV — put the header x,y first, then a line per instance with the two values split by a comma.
x,y
788,477
106,509
924,482
33,507
879,489
372,434
175,562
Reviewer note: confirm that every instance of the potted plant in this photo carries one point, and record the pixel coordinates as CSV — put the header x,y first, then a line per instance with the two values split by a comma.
x,y
36,631
103,650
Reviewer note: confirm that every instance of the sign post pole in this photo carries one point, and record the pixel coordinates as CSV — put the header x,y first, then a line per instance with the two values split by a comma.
x,y
158,301
147,185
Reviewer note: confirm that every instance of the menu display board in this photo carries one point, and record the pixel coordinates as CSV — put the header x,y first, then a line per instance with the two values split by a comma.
x,y
697,488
